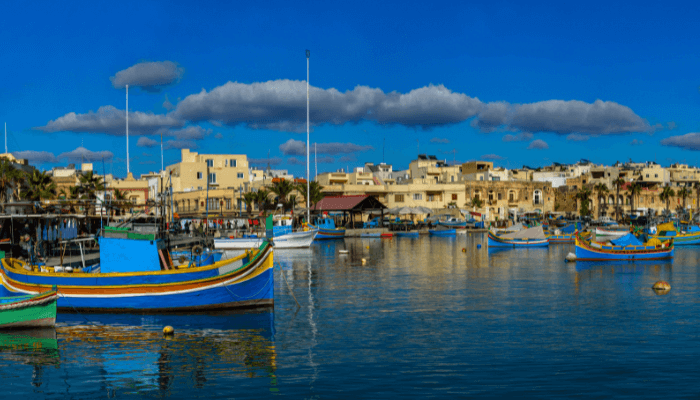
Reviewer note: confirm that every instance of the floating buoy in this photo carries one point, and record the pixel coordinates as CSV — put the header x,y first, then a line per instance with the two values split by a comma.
x,y
367,247
478,246
364,261
571,257
464,250
168,330
661,286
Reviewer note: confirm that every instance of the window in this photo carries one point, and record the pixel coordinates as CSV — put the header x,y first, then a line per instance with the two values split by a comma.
x,y
199,176
417,196
511,196
481,178
500,196
656,175
398,198
228,204
240,175
232,163
490,195
647,175
210,163
454,197
212,178
452,178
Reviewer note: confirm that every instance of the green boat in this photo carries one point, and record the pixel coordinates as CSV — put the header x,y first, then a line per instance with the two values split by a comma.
x,y
31,311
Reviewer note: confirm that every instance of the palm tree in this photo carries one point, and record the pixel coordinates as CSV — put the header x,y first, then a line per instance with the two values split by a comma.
x,y
584,194
666,195
89,184
8,177
282,188
73,193
684,193
316,193
618,183
475,202
249,199
40,186
121,201
634,189
261,198
602,189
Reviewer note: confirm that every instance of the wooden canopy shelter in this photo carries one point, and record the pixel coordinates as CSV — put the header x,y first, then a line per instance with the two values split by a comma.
x,y
350,206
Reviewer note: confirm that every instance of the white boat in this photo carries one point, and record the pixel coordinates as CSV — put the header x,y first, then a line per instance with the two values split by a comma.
x,y
610,233
294,240
238,244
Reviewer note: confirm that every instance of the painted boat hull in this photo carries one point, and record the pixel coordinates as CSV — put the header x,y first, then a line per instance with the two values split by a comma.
x,y
295,240
445,232
682,239
326,233
609,234
456,225
243,281
407,234
597,252
496,241
33,312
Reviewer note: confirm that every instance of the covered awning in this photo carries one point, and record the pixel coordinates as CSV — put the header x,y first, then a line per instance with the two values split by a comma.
x,y
358,203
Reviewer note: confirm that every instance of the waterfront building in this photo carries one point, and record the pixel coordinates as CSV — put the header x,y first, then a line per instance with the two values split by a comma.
x,y
194,171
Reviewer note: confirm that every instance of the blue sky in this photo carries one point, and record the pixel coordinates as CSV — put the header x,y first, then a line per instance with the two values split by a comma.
x,y
516,83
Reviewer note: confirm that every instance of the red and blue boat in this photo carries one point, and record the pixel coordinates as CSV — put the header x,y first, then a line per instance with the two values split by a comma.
x,y
627,248
327,229
139,276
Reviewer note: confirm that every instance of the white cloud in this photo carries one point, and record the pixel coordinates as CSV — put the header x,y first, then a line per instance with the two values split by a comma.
x,y
492,157
146,142
112,121
298,148
689,141
636,142
538,144
577,137
35,157
82,154
149,76
520,137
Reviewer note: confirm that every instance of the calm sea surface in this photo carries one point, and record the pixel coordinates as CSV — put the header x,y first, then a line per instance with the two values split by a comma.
x,y
421,319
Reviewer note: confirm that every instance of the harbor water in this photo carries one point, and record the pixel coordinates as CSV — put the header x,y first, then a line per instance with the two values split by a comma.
x,y
430,317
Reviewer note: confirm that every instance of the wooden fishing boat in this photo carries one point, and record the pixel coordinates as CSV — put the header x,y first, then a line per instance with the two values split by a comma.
x,y
135,276
411,234
622,250
688,236
607,234
28,311
327,229
531,237
442,232
246,242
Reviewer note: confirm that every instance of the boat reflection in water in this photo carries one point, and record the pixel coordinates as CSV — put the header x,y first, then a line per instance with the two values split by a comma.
x,y
128,353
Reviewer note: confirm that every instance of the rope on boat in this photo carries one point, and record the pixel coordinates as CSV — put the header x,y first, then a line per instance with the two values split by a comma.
x,y
29,303
75,309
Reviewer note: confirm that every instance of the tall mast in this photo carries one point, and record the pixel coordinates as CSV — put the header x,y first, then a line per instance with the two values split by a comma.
x,y
5,137
308,184
127,130
315,163
162,168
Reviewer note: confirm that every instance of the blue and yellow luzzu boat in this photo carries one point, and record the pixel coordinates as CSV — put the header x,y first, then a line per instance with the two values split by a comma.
x,y
689,235
625,248
327,229
137,276
532,237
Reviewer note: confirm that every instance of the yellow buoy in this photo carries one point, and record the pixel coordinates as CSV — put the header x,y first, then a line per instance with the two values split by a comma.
x,y
168,330
464,250
368,247
364,261
661,286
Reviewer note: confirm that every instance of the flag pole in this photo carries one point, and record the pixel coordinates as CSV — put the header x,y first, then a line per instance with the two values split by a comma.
x,y
308,184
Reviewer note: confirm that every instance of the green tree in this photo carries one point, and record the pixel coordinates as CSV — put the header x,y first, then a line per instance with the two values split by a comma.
x,y
684,193
315,190
89,185
121,201
475,202
602,190
40,186
249,199
665,195
261,199
634,189
584,195
282,188
8,179
617,183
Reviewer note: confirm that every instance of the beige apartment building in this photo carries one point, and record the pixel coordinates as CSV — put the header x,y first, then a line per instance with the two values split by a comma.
x,y
222,171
